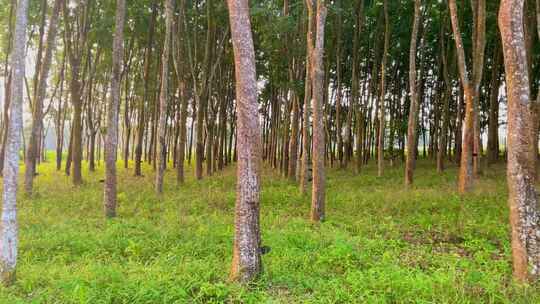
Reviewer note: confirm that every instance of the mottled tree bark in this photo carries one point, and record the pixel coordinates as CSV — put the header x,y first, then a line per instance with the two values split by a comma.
x,y
246,264
317,78
8,221
111,140
522,196
163,97
413,112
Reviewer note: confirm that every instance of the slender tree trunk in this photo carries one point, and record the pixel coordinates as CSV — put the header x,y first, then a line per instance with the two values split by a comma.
x,y
39,96
293,145
141,128
382,114
317,78
441,153
111,140
478,68
8,225
413,112
522,196
466,167
246,264
304,174
163,97
493,124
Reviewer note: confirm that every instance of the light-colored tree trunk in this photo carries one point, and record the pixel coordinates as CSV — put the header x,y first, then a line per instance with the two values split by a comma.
x,y
246,263
164,97
317,79
522,196
413,112
111,140
8,222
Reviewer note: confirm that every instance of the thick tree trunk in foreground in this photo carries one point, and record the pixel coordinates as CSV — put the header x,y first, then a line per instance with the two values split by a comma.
x,y
32,153
246,264
522,196
317,79
111,140
413,112
8,222
163,98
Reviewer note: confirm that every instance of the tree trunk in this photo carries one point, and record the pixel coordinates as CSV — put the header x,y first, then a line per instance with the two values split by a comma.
x,y
522,196
111,140
39,96
382,119
413,112
467,148
304,174
163,98
246,264
141,128
317,79
478,68
493,124
8,226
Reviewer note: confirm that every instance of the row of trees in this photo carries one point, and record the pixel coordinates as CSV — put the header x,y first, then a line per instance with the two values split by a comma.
x,y
335,87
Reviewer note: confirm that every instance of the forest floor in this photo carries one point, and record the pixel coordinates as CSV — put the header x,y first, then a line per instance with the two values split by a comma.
x,y
381,242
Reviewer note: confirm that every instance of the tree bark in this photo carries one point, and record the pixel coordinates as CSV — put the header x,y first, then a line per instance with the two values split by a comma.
x,y
141,128
8,224
466,167
382,119
317,78
493,123
164,97
246,264
413,112
522,196
111,140
39,96
306,115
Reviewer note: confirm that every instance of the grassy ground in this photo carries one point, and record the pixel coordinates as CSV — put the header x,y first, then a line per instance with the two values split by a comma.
x,y
382,243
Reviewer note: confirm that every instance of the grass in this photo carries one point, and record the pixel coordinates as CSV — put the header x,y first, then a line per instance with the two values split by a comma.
x,y
381,243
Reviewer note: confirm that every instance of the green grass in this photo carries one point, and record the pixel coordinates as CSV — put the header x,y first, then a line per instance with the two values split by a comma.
x,y
381,243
